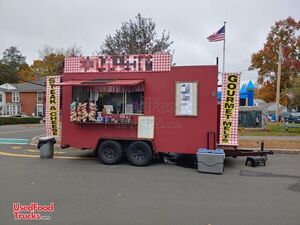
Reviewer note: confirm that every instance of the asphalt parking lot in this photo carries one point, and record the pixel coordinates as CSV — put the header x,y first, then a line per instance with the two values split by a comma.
x,y
22,131
88,192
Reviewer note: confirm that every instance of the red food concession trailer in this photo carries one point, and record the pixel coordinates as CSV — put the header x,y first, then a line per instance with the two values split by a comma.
x,y
138,106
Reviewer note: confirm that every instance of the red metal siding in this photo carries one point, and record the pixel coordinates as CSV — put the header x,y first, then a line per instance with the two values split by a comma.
x,y
172,133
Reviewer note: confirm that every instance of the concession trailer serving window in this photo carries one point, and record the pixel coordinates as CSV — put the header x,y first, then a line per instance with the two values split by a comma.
x,y
111,103
110,96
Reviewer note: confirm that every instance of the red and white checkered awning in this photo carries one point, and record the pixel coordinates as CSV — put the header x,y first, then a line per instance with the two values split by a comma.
x,y
102,85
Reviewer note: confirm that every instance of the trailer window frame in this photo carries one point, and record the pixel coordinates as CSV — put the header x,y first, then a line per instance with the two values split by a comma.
x,y
83,94
142,97
179,98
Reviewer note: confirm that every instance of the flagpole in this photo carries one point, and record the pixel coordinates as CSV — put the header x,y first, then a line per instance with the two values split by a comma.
x,y
224,48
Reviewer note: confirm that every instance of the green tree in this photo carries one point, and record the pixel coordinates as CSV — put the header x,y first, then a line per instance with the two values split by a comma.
x,y
13,58
10,63
265,61
7,75
136,37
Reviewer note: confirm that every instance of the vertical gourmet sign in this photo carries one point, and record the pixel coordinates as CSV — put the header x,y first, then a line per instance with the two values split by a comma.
x,y
229,109
52,106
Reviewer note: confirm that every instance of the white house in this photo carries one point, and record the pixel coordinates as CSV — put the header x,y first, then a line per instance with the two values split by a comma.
x,y
3,88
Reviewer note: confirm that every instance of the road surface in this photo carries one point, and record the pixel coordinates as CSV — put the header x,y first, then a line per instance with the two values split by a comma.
x,y
88,192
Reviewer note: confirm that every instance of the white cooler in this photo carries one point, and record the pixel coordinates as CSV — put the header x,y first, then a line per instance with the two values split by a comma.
x,y
210,161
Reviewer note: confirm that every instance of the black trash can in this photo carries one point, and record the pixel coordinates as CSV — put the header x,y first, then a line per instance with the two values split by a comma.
x,y
46,146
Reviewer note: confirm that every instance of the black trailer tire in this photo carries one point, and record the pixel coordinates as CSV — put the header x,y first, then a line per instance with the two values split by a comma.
x,y
139,153
110,152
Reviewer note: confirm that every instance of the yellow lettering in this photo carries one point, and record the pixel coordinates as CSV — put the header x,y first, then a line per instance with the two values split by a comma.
x,y
229,106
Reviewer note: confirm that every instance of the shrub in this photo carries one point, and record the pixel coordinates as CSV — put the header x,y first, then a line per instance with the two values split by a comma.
x,y
18,120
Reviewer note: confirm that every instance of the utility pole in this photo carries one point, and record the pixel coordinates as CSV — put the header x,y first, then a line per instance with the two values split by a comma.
x,y
280,58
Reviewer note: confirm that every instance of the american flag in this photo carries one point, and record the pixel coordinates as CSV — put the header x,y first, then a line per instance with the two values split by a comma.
x,y
218,36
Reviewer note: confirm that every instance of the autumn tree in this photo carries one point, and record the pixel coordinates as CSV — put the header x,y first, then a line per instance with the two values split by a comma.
x,y
72,50
266,91
51,60
293,92
25,73
285,32
136,37
50,65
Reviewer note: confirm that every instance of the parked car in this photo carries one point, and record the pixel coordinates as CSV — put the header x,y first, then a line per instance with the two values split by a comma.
x,y
288,117
296,117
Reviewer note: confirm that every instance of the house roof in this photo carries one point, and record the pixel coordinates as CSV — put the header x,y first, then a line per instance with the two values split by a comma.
x,y
259,102
39,81
37,85
7,87
28,87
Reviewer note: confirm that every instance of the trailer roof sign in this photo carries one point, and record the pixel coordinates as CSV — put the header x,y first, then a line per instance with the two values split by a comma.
x,y
121,63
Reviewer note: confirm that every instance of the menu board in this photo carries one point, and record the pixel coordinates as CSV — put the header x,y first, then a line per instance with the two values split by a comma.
x,y
145,127
186,98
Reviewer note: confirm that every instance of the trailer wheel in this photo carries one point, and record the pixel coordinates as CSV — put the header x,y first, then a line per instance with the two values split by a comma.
x,y
110,152
139,153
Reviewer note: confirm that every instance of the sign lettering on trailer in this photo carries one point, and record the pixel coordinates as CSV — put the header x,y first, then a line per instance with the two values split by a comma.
x,y
52,106
121,63
229,109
